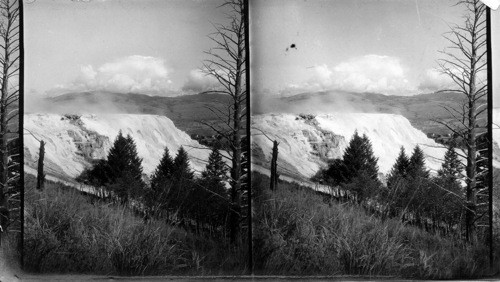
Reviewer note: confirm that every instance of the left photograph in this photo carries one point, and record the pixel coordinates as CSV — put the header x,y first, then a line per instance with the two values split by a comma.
x,y
135,153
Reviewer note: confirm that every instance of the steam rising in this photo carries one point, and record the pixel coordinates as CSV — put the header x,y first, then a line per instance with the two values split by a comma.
x,y
88,103
324,102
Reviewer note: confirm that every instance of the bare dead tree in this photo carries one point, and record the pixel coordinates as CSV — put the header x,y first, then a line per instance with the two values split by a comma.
x,y
465,62
274,166
40,177
227,64
9,106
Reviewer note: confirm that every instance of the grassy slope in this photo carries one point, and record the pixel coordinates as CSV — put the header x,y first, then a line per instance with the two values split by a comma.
x,y
9,257
496,209
297,232
66,232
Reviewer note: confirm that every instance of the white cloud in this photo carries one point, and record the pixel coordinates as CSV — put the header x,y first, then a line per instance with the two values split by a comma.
x,y
373,73
138,74
370,73
198,81
433,80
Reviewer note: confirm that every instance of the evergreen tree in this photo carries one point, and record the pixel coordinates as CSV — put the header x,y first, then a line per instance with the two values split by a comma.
x,y
358,169
416,168
358,157
216,168
399,169
161,184
164,169
212,196
336,173
418,190
134,167
117,157
447,202
183,187
181,165
125,168
402,163
98,175
451,167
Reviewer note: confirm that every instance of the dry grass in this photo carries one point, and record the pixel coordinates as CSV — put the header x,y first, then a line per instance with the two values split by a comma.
x,y
299,232
66,232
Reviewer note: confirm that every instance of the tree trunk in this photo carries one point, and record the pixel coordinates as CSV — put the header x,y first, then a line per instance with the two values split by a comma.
x,y
40,178
274,167
236,160
4,119
471,150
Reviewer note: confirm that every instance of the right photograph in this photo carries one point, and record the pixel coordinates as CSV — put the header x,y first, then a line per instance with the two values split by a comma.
x,y
370,140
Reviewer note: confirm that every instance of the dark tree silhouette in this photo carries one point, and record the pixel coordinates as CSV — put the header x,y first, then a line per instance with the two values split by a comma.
x,y
181,169
400,168
9,113
121,172
164,170
416,167
216,168
465,62
358,157
227,64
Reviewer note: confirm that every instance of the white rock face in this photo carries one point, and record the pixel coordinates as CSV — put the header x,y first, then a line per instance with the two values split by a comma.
x,y
72,143
307,144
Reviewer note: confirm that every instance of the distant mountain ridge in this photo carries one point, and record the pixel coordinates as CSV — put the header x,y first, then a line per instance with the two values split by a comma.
x,y
420,109
185,111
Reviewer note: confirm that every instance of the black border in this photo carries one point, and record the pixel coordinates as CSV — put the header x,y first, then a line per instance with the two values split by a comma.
x,y
21,124
490,131
249,115
249,136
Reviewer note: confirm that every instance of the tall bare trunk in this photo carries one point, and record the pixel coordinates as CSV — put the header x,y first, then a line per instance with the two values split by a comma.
x,y
40,178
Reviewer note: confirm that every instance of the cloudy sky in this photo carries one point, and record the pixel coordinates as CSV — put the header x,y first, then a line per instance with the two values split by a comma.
x,y
146,46
388,46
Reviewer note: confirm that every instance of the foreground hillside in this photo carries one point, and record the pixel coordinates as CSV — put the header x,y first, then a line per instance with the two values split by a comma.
x,y
68,232
300,232
73,141
307,142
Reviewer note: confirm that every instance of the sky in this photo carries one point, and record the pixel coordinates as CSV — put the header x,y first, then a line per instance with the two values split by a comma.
x,y
156,46
145,46
384,46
